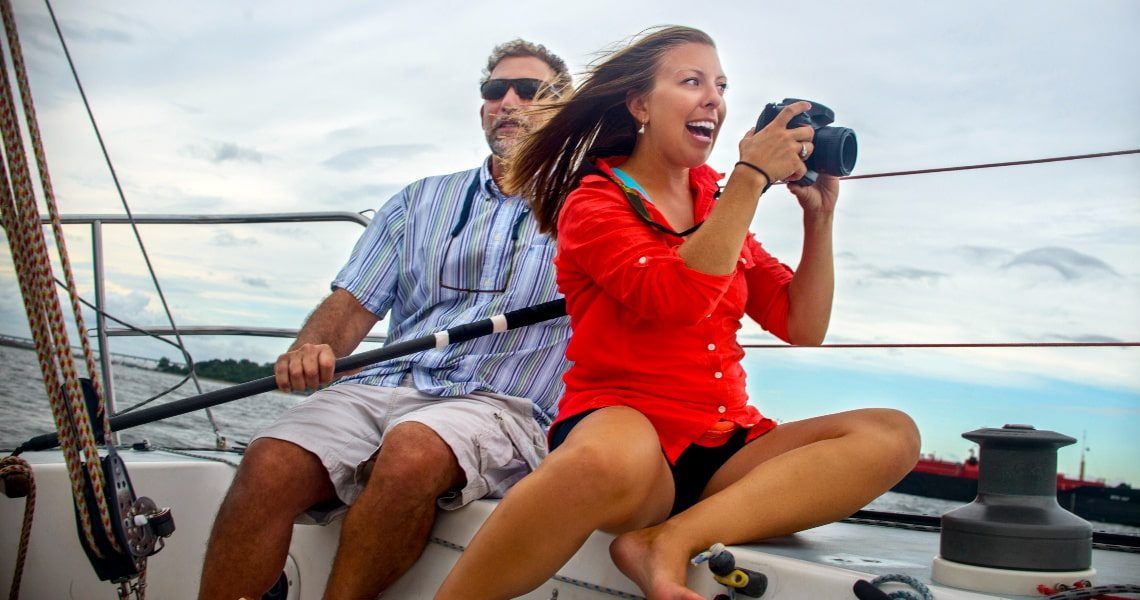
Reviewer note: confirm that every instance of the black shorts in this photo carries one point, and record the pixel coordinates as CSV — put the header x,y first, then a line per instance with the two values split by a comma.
x,y
692,471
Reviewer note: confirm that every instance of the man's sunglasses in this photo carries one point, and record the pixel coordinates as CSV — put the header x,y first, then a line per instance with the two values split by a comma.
x,y
526,88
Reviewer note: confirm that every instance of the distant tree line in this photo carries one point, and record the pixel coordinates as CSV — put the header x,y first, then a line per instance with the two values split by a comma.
x,y
236,371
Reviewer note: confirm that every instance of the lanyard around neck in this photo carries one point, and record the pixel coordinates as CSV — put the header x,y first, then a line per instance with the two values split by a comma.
x,y
469,201
637,204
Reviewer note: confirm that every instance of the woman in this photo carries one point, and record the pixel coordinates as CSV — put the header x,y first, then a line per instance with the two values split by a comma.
x,y
655,440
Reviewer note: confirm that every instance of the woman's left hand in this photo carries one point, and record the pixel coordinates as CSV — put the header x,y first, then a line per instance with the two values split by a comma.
x,y
818,198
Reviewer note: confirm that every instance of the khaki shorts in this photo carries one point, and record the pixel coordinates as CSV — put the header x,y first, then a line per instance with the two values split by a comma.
x,y
494,437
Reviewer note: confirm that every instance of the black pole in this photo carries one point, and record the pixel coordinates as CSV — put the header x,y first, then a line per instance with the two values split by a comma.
x,y
460,333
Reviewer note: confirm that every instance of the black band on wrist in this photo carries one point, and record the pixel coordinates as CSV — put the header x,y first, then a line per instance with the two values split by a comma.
x,y
767,177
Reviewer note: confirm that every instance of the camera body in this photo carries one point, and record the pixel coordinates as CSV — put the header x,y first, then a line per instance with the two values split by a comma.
x,y
835,147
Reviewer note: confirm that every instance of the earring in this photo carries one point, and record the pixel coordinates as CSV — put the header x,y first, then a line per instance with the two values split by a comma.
x,y
642,129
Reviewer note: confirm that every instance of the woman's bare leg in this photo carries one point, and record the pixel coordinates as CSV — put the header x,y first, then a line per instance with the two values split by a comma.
x,y
608,474
800,475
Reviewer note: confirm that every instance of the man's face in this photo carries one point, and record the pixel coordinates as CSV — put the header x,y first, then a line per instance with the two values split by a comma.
x,y
503,122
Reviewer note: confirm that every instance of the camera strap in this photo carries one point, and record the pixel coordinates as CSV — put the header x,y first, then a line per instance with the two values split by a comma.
x,y
634,198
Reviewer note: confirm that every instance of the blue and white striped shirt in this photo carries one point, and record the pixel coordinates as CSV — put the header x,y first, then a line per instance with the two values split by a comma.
x,y
408,262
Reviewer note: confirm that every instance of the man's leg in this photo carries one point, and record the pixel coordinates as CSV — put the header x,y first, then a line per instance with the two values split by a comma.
x,y
277,481
387,527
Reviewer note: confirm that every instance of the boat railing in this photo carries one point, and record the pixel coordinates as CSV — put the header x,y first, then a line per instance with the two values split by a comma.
x,y
102,332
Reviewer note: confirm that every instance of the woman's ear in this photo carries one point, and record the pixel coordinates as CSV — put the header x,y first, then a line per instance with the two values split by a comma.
x,y
638,106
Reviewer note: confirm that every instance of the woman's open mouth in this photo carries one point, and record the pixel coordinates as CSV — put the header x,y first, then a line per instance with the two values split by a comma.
x,y
702,130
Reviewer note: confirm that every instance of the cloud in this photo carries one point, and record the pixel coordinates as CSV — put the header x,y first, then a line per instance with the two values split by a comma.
x,y
38,31
1088,338
1066,261
984,254
227,239
230,151
98,35
358,158
220,152
907,274
370,195
255,281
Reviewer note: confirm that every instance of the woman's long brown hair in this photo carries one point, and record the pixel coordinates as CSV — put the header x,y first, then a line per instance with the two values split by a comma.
x,y
592,122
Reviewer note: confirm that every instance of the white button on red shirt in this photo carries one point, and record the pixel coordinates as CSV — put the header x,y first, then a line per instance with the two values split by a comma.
x,y
626,309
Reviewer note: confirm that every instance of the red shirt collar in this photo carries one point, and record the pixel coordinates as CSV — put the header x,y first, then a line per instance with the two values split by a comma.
x,y
702,181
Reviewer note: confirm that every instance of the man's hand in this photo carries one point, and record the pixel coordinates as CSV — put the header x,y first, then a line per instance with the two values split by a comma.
x,y
334,329
305,367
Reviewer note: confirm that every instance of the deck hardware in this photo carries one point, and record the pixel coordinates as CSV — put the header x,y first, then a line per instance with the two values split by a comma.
x,y
864,590
722,564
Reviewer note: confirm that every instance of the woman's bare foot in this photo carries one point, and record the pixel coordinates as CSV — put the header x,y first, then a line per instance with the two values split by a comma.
x,y
655,565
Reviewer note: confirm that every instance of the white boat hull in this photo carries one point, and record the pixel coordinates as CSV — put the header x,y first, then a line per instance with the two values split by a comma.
x,y
807,566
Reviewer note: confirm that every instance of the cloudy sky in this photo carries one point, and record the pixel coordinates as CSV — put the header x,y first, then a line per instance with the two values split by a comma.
x,y
221,107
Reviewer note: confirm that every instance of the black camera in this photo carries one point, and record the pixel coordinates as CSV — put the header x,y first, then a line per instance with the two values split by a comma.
x,y
835,147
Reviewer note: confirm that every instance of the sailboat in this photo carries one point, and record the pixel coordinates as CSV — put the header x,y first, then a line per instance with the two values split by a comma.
x,y
886,552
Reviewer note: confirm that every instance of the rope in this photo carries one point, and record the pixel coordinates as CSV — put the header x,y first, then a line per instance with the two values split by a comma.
x,y
564,579
45,317
33,126
219,438
907,580
14,465
1084,589
1014,163
194,455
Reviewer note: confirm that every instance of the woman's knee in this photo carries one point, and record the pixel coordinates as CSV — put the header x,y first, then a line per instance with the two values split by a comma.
x,y
896,434
604,470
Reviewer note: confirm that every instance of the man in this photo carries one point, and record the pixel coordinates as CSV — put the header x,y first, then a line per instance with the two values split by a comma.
x,y
439,428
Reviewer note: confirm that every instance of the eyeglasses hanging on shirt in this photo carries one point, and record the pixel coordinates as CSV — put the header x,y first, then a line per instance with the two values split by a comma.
x,y
460,279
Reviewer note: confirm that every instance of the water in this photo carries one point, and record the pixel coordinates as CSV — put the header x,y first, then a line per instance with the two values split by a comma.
x,y
25,412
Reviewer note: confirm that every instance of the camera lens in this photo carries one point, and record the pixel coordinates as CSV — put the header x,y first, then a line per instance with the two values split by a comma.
x,y
835,151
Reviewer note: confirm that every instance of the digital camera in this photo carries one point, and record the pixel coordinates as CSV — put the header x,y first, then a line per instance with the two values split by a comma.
x,y
835,147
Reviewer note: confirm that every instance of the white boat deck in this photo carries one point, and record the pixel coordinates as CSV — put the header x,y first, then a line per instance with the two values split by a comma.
x,y
819,563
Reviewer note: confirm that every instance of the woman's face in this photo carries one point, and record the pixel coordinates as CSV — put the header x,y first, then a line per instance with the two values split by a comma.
x,y
685,110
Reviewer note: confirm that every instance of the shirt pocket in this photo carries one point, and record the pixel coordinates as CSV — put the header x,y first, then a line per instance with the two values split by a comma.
x,y
533,278
475,263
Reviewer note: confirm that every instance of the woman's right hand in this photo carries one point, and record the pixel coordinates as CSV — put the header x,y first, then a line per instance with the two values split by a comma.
x,y
776,149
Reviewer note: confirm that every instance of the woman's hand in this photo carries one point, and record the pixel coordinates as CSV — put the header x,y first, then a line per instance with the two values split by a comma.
x,y
778,150
819,198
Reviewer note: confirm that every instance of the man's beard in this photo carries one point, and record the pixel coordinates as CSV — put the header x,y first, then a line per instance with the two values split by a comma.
x,y
502,145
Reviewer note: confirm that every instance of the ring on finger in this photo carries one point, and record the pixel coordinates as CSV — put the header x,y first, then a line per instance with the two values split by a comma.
x,y
803,151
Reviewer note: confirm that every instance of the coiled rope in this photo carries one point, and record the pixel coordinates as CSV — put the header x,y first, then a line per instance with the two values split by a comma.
x,y
30,256
911,582
16,466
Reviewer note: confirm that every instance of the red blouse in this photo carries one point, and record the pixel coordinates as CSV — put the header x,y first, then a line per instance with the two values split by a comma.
x,y
649,332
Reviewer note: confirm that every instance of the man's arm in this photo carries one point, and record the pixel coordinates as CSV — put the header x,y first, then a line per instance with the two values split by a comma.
x,y
334,330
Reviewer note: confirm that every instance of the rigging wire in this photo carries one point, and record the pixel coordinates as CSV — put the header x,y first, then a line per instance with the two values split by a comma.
x,y
130,216
962,345
190,365
1013,163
